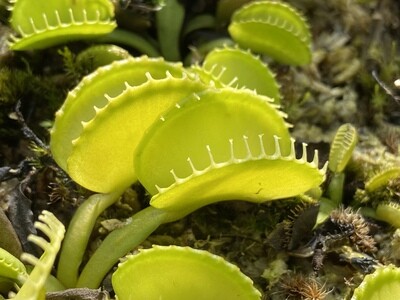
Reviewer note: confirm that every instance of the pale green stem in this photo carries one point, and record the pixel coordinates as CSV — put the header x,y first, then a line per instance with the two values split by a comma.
x,y
119,242
133,40
78,234
335,188
199,22
169,25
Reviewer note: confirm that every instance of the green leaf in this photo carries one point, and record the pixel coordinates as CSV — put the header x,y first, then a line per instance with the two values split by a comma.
x,y
41,24
273,28
53,229
342,148
382,179
173,272
222,145
114,97
236,67
116,130
388,211
11,267
383,284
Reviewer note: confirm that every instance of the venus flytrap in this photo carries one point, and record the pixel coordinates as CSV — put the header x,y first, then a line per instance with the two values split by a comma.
x,y
375,187
218,168
82,104
192,137
41,24
272,28
220,144
388,212
94,115
231,134
383,284
75,146
31,286
382,178
380,193
100,55
235,67
180,199
11,269
232,65
237,135
266,27
341,151
186,274
340,154
88,60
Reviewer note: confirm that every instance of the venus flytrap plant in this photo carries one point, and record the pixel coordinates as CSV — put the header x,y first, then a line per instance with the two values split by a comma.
x,y
234,66
88,60
11,269
32,285
238,141
40,24
211,160
379,185
73,138
275,28
272,28
340,154
341,151
382,179
186,274
236,135
383,284
388,212
232,146
100,55
114,86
